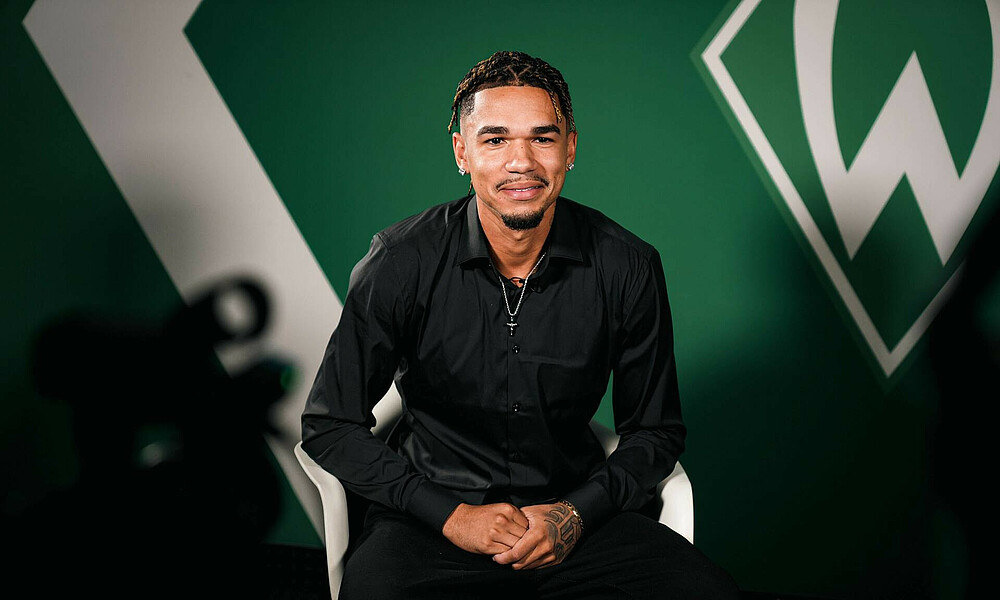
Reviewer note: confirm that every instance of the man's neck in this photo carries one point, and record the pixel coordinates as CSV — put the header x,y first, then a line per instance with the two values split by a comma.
x,y
514,252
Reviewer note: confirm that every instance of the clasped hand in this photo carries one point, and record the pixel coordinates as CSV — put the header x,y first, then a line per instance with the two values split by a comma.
x,y
531,537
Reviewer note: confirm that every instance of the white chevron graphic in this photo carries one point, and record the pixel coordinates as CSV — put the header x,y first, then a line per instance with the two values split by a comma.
x,y
191,179
906,139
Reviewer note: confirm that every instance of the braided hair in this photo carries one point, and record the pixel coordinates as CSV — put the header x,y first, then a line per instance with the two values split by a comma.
x,y
515,69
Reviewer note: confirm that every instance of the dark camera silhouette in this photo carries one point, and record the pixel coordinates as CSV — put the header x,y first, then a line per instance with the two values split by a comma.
x,y
176,487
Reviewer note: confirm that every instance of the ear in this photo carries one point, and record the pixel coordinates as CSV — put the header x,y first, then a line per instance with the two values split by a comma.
x,y
458,145
571,148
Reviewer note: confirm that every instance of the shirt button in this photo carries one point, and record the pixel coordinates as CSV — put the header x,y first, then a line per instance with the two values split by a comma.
x,y
515,349
516,407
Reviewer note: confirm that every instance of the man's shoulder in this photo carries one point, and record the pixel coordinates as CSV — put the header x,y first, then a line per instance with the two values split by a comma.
x,y
399,251
605,234
426,227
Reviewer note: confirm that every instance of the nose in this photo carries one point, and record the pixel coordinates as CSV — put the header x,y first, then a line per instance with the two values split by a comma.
x,y
521,158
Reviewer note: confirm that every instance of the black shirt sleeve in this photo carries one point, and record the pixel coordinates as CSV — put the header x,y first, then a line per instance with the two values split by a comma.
x,y
646,405
357,370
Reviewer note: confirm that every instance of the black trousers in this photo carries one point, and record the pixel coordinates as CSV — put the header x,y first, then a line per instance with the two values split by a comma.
x,y
630,556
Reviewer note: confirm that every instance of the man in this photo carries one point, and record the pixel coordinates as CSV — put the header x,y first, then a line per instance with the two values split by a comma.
x,y
501,317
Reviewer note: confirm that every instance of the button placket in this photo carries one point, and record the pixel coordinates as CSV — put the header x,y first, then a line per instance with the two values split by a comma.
x,y
514,391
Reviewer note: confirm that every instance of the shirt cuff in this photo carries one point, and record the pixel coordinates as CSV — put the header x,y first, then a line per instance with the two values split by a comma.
x,y
593,503
432,504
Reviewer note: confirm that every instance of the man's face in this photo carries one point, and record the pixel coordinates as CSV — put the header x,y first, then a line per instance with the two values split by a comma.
x,y
516,153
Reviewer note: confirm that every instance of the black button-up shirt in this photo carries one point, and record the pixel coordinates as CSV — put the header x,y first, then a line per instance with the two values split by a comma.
x,y
490,416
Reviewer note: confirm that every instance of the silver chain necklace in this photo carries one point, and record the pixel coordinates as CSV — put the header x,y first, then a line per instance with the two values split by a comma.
x,y
503,292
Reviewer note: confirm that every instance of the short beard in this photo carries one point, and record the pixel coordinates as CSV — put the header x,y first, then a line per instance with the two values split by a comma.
x,y
523,222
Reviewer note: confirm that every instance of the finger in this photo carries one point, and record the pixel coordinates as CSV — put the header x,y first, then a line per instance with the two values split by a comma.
x,y
543,564
516,529
506,531
532,560
508,556
538,550
495,548
514,515
507,539
522,548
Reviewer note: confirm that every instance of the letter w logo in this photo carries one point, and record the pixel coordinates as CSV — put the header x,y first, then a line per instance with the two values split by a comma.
x,y
906,139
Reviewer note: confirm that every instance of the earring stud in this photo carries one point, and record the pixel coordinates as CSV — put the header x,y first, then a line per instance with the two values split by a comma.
x,y
570,166
462,171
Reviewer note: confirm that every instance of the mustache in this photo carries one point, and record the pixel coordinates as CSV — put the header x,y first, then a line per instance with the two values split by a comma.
x,y
537,178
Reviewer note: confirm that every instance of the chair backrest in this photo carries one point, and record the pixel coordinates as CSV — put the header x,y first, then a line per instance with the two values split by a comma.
x,y
335,517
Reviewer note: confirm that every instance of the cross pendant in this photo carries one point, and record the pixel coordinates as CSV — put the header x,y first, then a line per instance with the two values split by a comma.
x,y
512,325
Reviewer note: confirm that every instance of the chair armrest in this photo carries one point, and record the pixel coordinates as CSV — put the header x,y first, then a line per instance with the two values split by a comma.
x,y
676,495
335,524
677,512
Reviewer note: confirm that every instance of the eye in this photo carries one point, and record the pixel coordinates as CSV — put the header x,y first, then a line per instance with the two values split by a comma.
x,y
494,141
544,140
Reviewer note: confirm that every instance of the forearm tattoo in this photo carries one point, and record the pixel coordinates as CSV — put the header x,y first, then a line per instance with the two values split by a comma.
x,y
564,528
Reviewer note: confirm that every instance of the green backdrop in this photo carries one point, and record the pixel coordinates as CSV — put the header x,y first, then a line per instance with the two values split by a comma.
x,y
811,467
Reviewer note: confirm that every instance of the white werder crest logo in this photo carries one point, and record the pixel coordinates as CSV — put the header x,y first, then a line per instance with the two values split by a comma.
x,y
886,223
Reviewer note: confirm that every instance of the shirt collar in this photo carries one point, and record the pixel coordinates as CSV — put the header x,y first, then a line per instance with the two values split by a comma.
x,y
474,244
563,242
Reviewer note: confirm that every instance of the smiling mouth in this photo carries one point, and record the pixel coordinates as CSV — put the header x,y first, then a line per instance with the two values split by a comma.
x,y
522,185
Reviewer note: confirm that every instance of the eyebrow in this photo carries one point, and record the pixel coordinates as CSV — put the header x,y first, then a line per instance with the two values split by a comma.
x,y
501,130
546,129
493,129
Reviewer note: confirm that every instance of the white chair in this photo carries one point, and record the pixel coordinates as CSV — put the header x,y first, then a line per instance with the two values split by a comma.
x,y
675,492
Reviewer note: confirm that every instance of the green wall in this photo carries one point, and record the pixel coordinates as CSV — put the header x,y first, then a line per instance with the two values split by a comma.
x,y
812,468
